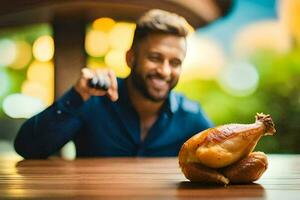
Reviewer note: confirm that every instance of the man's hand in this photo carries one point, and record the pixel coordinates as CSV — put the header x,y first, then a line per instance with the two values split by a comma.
x,y
85,91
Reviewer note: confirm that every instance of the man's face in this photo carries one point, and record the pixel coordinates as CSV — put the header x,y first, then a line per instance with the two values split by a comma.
x,y
157,64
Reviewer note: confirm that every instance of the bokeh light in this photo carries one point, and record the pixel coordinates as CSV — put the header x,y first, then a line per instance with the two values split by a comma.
x,y
8,52
5,82
95,64
21,106
96,43
40,81
290,16
42,72
23,56
262,35
43,48
104,24
115,59
239,79
121,35
107,42
68,151
37,90
204,59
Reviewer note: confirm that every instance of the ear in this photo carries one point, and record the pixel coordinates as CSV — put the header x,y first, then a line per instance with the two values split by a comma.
x,y
130,58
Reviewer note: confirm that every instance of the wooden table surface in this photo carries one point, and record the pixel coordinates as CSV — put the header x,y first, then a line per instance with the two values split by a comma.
x,y
136,178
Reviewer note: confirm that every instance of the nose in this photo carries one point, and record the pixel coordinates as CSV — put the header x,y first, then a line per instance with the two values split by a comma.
x,y
165,69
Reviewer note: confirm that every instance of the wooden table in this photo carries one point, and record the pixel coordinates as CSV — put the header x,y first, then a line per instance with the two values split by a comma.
x,y
136,178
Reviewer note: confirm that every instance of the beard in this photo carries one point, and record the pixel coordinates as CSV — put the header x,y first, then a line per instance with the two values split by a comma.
x,y
140,83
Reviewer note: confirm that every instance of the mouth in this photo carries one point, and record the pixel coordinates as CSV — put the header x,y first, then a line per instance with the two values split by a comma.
x,y
159,83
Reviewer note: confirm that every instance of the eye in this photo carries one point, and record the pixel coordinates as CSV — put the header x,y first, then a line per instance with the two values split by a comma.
x,y
175,63
154,58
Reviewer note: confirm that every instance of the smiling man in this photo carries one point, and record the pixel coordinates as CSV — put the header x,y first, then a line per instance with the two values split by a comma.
x,y
136,116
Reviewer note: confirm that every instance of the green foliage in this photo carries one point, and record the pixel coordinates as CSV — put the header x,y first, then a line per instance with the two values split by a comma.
x,y
278,94
17,77
28,33
280,88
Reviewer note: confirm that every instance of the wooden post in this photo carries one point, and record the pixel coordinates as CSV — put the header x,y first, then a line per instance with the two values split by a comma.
x,y
69,56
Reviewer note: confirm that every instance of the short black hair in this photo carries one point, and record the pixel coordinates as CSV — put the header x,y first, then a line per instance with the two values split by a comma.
x,y
159,21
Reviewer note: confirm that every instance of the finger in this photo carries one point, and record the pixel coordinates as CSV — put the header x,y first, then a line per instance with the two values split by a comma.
x,y
113,90
87,73
97,92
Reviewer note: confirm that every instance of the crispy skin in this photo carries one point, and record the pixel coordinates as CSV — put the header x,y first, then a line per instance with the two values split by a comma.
x,y
248,169
198,173
223,154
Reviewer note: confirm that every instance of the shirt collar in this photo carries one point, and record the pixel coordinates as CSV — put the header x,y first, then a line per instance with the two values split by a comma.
x,y
171,105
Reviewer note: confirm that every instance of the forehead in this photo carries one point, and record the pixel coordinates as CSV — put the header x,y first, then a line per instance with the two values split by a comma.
x,y
166,44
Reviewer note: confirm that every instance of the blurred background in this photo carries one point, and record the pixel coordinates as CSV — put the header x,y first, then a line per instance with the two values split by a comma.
x,y
242,62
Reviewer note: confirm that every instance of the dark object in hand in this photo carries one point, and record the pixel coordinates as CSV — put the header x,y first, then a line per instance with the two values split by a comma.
x,y
99,82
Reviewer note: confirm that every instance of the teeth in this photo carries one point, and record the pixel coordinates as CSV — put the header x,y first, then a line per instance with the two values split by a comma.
x,y
159,82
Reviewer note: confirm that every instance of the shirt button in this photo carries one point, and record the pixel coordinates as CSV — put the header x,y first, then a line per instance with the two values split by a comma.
x,y
58,112
68,102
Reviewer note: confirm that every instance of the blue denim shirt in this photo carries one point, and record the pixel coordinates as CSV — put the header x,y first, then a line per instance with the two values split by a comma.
x,y
100,127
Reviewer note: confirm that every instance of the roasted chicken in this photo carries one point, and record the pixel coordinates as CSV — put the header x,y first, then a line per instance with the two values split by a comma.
x,y
224,154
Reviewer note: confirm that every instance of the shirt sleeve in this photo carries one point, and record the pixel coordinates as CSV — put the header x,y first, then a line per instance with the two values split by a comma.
x,y
46,132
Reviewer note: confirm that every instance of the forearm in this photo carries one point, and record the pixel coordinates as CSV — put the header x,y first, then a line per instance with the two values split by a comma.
x,y
47,132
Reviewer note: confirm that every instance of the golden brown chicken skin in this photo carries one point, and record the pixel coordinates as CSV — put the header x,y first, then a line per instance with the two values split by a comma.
x,y
224,154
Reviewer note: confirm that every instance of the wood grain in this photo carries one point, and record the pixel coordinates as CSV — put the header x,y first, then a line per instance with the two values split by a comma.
x,y
136,178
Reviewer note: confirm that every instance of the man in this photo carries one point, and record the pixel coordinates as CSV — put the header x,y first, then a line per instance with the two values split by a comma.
x,y
136,116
